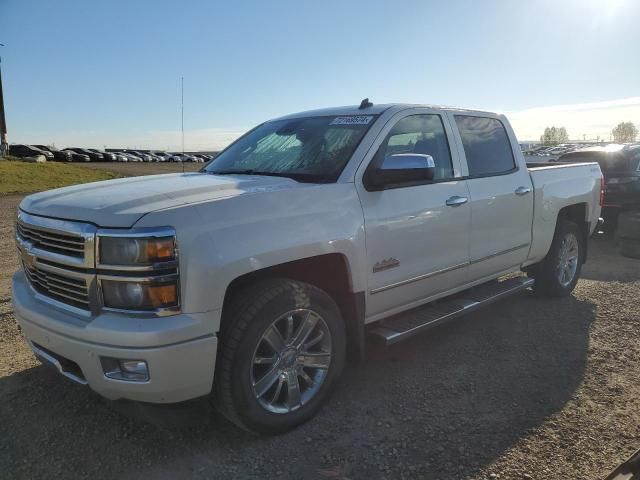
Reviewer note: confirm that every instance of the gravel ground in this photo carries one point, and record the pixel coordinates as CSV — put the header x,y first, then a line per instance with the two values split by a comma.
x,y
526,388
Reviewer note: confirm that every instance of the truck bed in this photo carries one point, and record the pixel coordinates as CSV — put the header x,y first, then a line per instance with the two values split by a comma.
x,y
555,186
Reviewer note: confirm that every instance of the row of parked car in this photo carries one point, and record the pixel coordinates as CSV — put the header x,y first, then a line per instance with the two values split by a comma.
x,y
546,151
74,154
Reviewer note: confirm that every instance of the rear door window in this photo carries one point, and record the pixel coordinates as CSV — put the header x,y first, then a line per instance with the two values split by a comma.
x,y
486,145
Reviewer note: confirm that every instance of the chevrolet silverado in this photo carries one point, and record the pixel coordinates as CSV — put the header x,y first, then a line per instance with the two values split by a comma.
x,y
306,239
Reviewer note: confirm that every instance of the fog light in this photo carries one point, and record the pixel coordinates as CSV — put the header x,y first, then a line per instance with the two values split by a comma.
x,y
134,367
121,369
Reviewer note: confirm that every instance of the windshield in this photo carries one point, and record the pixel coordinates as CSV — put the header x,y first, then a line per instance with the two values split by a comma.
x,y
313,149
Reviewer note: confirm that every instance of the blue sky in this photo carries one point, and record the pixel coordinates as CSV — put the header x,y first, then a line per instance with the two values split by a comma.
x,y
101,73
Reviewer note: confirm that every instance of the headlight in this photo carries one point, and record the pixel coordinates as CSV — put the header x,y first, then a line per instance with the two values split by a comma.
x,y
138,269
134,251
126,295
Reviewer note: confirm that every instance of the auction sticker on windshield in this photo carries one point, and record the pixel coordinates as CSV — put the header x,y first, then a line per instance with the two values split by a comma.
x,y
352,120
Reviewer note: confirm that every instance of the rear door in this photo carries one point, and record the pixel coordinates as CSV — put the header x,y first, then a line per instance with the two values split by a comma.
x,y
500,192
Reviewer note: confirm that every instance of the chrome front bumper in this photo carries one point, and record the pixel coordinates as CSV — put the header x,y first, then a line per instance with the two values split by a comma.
x,y
178,370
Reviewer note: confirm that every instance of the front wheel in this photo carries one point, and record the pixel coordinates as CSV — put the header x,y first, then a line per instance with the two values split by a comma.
x,y
558,274
282,346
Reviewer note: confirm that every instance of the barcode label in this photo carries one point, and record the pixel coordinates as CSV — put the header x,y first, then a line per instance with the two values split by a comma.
x,y
352,120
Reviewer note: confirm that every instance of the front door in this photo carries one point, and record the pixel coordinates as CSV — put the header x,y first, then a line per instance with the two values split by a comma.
x,y
416,235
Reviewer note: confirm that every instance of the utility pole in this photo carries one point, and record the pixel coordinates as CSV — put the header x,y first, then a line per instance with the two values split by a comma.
x,y
182,111
4,144
182,117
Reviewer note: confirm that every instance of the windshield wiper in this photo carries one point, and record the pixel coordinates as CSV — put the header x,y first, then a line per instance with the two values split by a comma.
x,y
298,177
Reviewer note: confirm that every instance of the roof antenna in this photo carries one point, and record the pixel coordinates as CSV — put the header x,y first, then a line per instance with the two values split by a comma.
x,y
365,104
182,117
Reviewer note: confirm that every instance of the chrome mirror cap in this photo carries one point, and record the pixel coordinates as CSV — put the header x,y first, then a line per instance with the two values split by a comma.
x,y
407,161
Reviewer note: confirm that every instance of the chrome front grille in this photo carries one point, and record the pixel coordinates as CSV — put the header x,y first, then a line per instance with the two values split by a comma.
x,y
60,287
60,243
58,259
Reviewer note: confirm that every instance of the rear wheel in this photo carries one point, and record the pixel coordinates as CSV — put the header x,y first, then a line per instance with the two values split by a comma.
x,y
282,346
558,274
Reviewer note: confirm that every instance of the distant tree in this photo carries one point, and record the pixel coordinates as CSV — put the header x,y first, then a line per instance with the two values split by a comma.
x,y
625,132
554,136
546,137
563,136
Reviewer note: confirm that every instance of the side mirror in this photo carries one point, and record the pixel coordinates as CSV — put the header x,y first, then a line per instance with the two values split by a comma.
x,y
402,168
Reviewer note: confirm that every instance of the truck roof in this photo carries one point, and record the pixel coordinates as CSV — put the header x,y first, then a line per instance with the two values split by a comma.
x,y
374,110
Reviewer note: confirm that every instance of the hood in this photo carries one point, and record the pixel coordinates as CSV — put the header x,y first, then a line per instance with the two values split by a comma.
x,y
121,203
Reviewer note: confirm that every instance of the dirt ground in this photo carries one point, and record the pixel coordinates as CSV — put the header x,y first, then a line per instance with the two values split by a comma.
x,y
527,388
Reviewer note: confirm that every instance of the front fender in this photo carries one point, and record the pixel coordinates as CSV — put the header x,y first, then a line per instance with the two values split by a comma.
x,y
221,240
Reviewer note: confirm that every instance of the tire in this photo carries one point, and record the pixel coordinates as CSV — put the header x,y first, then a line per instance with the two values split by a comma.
x,y
255,382
547,273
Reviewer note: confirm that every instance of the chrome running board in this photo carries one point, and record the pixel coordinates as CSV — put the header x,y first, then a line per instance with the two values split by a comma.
x,y
407,324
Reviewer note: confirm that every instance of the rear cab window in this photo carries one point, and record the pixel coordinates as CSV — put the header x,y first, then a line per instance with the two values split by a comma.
x,y
486,145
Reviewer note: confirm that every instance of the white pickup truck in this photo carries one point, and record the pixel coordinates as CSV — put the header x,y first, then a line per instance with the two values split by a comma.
x,y
251,280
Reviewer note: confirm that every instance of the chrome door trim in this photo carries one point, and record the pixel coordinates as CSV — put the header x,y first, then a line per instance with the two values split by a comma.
x,y
373,291
418,278
497,254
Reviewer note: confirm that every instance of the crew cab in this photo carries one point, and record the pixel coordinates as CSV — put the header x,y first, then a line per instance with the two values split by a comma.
x,y
306,239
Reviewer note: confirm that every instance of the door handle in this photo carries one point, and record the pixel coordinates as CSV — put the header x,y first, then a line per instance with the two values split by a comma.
x,y
456,201
522,191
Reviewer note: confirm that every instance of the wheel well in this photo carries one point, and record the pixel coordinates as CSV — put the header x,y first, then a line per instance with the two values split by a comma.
x,y
577,214
329,273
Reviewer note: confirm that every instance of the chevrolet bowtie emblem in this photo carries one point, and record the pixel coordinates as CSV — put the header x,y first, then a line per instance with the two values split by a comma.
x,y
27,258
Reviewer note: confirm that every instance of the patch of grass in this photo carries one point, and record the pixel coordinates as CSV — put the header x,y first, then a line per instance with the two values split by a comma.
x,y
21,177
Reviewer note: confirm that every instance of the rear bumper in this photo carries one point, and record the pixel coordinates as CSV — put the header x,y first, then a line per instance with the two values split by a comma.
x,y
177,372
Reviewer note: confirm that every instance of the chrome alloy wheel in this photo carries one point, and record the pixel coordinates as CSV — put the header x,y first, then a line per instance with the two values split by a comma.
x,y
568,259
291,361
